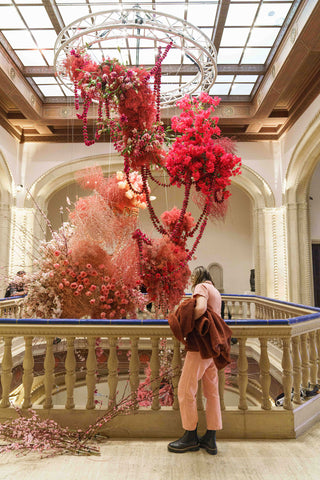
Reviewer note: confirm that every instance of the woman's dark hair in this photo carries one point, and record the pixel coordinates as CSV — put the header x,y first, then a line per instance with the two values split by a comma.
x,y
200,275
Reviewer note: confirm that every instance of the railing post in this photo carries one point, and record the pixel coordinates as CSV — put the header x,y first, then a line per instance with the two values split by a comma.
x,y
155,367
70,376
305,360
297,376
113,370
313,358
27,378
265,378
134,365
91,365
176,371
287,373
6,373
242,374
318,360
48,373
222,380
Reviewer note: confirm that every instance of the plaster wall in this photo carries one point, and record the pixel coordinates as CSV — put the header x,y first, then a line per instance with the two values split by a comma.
x,y
292,137
9,148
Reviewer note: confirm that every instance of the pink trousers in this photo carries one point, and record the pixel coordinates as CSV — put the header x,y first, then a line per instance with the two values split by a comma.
x,y
195,368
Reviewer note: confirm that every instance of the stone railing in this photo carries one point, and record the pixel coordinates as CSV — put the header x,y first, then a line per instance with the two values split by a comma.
x,y
255,321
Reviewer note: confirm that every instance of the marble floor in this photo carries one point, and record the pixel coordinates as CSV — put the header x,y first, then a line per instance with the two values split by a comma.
x,y
149,460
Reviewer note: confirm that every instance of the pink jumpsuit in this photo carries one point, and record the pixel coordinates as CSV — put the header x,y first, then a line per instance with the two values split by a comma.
x,y
195,368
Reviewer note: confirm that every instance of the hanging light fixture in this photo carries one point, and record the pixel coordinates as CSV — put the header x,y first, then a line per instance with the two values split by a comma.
x,y
134,32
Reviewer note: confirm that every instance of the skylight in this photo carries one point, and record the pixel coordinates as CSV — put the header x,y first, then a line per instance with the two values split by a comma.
x,y
248,30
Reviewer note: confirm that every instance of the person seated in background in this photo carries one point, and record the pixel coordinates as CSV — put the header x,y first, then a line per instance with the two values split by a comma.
x,y
16,288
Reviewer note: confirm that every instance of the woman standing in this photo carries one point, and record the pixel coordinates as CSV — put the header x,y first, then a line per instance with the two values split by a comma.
x,y
197,323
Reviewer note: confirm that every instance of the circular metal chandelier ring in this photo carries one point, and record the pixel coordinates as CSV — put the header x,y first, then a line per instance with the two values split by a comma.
x,y
139,24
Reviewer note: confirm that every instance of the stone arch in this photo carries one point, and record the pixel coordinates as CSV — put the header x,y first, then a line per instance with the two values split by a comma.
x,y
297,183
7,200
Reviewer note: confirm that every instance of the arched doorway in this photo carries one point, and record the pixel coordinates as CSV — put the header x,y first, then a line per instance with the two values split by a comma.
x,y
302,166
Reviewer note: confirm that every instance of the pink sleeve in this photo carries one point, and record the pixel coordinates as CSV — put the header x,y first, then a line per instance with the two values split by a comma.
x,y
202,290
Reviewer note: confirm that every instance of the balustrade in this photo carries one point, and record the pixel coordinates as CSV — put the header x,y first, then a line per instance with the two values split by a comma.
x,y
299,342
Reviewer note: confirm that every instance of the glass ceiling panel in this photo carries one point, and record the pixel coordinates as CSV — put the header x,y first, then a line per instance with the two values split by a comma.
x,y
220,89
272,14
45,38
31,58
70,14
229,55
224,78
202,15
263,37
234,37
49,56
246,78
241,88
45,80
255,55
241,14
51,90
36,16
19,39
9,18
175,10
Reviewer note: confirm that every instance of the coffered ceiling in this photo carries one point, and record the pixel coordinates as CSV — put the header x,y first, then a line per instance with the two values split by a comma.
x,y
268,56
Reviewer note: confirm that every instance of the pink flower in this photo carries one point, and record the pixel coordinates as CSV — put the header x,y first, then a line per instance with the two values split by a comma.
x,y
57,253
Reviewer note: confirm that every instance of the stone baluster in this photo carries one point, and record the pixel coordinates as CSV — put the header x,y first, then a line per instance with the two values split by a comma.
x,y
265,378
318,360
297,375
134,366
48,373
222,381
70,376
248,310
240,312
313,358
287,373
91,365
113,370
305,360
27,378
155,367
242,374
6,373
176,371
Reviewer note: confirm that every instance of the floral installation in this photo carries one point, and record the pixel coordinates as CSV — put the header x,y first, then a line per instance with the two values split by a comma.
x,y
199,161
90,267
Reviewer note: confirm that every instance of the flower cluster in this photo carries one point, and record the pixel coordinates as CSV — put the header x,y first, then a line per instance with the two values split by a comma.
x,y
195,155
165,273
115,191
171,218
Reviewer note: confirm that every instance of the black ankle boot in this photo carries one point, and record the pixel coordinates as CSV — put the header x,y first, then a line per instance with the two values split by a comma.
x,y
208,441
189,442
